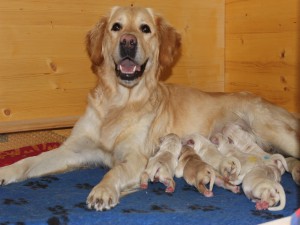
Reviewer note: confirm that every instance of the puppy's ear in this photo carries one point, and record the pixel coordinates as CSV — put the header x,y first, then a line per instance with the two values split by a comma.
x,y
94,40
170,42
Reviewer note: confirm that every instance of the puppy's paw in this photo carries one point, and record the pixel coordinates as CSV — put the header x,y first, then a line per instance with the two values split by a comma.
x,y
235,189
170,184
262,205
103,198
208,193
230,168
144,180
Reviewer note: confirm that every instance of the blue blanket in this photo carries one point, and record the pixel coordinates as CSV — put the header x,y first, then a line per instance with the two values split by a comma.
x,y
60,199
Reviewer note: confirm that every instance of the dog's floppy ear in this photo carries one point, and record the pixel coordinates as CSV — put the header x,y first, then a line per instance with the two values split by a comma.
x,y
94,42
170,42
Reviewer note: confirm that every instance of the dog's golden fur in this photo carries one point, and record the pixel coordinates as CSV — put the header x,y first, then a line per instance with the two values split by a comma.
x,y
127,114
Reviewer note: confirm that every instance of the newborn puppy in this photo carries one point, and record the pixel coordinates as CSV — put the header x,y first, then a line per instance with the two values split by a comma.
x,y
195,171
246,143
248,160
162,165
262,186
226,166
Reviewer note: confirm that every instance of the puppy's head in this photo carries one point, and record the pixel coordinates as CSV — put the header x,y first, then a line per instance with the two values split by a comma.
x,y
132,43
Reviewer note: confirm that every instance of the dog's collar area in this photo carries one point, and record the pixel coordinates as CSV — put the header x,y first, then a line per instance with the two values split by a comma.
x,y
128,70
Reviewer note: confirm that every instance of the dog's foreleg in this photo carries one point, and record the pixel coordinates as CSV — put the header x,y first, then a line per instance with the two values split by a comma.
x,y
122,176
69,156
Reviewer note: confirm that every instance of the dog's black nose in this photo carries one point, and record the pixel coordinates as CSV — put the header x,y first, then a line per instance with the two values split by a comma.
x,y
128,45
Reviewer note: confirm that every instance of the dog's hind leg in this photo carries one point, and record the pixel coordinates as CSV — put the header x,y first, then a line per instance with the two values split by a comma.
x,y
277,127
280,129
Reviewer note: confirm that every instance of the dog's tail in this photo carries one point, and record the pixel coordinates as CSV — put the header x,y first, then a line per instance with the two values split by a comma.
x,y
282,198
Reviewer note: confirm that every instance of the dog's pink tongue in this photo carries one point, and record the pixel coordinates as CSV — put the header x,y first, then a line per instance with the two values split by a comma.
x,y
128,66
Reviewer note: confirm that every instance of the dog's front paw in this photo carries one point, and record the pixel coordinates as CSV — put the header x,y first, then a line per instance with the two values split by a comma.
x,y
9,175
103,198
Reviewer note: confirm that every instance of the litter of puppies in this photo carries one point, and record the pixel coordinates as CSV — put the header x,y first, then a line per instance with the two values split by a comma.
x,y
231,159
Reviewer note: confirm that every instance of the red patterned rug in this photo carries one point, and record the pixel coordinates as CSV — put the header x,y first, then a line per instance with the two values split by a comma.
x,y
11,156
17,146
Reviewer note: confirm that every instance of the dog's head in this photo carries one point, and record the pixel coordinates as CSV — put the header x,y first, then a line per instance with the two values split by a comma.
x,y
132,43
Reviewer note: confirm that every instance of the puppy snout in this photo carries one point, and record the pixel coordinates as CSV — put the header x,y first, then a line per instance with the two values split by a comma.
x,y
128,46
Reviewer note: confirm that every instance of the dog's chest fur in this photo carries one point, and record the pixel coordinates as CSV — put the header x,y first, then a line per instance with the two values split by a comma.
x,y
120,124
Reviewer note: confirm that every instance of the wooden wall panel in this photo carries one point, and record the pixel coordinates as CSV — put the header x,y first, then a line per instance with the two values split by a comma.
x,y
44,70
262,52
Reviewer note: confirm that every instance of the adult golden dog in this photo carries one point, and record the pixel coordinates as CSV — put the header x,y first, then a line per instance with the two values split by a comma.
x,y
129,109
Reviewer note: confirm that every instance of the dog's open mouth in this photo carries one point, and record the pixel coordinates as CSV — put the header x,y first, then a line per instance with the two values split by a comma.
x,y
127,69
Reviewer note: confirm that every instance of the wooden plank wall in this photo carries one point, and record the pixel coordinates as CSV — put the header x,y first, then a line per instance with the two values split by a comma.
x,y
44,70
262,52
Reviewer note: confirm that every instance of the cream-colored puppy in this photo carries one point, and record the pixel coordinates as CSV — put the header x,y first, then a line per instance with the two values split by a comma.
x,y
162,165
248,160
262,186
246,142
227,166
220,181
195,171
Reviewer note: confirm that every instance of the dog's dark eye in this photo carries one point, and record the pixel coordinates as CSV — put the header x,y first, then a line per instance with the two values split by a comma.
x,y
116,27
145,28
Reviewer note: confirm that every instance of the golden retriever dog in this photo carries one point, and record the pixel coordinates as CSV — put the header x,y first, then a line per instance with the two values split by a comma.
x,y
130,109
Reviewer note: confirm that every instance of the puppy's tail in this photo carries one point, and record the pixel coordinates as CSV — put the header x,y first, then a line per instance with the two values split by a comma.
x,y
212,178
282,198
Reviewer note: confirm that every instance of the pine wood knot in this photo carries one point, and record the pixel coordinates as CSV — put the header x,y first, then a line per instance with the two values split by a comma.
x,y
7,112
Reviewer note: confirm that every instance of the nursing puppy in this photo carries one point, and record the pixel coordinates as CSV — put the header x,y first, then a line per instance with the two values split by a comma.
x,y
162,165
194,160
248,160
195,171
130,109
245,142
229,167
262,186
